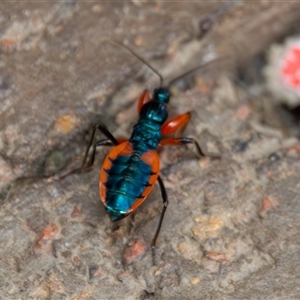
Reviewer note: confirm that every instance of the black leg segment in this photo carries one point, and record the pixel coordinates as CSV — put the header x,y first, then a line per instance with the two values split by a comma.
x,y
111,140
165,205
185,140
105,142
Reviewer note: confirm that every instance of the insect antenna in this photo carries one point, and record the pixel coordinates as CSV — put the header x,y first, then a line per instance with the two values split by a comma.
x,y
142,60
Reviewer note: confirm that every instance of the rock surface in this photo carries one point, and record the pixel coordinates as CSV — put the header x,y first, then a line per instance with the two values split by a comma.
x,y
231,230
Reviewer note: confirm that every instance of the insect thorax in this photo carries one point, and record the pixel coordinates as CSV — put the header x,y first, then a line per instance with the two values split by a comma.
x,y
147,132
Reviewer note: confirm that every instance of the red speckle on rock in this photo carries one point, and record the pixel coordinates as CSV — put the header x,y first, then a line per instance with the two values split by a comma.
x,y
94,272
42,244
219,257
242,112
9,45
76,212
268,204
48,233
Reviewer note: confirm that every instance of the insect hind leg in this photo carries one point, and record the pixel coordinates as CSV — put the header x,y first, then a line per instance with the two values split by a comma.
x,y
165,205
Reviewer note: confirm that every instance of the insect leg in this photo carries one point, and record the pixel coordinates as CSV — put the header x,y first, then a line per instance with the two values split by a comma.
x,y
183,141
87,164
105,131
105,142
165,205
176,124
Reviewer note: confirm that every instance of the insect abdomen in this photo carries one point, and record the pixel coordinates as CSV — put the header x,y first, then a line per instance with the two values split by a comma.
x,y
127,179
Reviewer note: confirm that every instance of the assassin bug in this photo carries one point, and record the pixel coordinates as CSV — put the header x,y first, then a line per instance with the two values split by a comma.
x,y
131,168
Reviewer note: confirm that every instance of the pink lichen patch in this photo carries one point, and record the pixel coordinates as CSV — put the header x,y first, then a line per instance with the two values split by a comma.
x,y
290,69
242,112
135,250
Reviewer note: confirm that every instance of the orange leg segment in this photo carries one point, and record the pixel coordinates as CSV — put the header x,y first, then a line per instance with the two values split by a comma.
x,y
176,124
145,97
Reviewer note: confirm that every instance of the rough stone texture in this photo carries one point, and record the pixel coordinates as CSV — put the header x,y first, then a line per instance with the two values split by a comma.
x,y
232,228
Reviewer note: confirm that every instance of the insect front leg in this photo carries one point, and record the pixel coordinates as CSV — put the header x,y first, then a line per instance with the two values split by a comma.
x,y
111,140
176,124
88,163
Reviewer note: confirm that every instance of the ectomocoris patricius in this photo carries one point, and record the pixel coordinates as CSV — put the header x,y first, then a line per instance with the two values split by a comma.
x,y
131,169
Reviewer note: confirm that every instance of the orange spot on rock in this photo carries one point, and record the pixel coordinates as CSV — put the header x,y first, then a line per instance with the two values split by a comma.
x,y
42,244
195,280
204,86
65,124
182,248
137,249
76,260
293,151
36,21
9,45
138,41
48,233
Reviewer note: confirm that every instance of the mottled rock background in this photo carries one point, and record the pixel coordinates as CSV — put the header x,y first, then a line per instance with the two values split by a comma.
x,y
232,228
